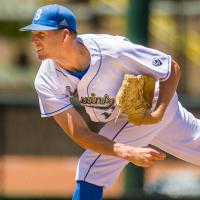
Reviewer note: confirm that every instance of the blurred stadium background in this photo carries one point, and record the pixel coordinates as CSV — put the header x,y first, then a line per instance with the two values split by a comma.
x,y
37,160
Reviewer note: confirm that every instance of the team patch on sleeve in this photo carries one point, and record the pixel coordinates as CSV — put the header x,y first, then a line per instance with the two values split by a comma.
x,y
156,62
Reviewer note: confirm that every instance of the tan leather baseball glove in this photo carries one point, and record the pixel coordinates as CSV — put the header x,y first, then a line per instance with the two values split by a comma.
x,y
135,97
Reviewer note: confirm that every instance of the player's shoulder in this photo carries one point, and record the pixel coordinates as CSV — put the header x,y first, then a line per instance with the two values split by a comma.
x,y
94,36
110,45
103,38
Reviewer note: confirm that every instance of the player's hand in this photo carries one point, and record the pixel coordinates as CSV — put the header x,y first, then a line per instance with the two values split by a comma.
x,y
145,157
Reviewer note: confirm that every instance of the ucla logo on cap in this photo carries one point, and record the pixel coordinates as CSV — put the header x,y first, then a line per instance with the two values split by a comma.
x,y
156,62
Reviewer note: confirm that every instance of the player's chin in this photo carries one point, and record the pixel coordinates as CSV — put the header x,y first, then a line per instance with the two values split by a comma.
x,y
41,57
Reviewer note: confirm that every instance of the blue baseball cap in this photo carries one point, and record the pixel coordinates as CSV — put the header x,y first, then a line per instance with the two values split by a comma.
x,y
52,17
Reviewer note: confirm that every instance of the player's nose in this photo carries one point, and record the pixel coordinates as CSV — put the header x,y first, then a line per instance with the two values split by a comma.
x,y
35,41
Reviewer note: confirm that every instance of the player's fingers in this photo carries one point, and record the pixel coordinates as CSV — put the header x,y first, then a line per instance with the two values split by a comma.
x,y
158,158
155,158
158,155
144,162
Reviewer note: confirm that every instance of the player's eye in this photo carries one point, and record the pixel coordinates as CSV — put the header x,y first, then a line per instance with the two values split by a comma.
x,y
41,35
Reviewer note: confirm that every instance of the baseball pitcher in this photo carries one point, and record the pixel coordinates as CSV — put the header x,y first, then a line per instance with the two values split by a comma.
x,y
131,88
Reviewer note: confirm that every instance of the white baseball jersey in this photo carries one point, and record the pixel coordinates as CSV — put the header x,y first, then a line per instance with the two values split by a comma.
x,y
111,58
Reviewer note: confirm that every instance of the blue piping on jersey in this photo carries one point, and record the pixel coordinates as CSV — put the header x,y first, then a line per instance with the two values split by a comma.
x,y
61,72
95,74
86,71
101,154
44,114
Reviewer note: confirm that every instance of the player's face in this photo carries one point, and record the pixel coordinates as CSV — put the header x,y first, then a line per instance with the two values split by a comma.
x,y
45,43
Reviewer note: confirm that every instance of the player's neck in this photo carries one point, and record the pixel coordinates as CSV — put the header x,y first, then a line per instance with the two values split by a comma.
x,y
77,58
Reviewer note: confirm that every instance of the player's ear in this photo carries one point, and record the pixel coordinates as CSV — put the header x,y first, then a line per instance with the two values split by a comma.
x,y
66,34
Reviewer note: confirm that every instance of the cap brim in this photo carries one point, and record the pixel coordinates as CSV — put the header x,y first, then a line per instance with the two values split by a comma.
x,y
37,27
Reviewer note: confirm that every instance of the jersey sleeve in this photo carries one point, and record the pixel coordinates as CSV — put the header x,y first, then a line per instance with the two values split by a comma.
x,y
52,100
146,61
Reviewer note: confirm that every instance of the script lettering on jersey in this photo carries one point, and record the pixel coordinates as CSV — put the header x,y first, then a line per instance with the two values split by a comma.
x,y
104,102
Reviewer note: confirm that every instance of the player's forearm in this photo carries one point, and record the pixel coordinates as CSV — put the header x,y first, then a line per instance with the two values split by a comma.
x,y
143,157
168,88
76,128
100,144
